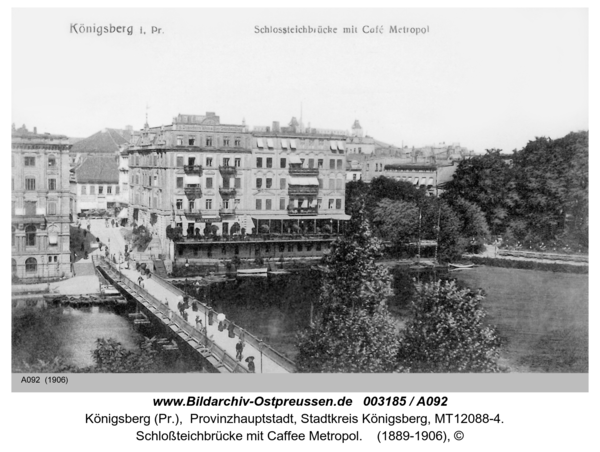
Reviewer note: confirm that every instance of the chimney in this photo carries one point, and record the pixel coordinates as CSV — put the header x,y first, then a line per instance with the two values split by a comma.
x,y
276,126
35,130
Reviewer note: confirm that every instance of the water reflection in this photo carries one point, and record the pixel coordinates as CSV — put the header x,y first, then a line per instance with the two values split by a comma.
x,y
46,332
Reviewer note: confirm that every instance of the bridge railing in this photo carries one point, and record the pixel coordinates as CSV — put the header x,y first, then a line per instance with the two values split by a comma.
x,y
219,353
251,339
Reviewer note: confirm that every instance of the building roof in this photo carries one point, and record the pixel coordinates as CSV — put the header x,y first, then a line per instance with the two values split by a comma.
x,y
106,141
98,169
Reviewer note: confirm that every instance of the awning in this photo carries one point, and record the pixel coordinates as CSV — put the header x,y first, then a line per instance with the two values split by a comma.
x,y
259,142
270,143
430,181
294,159
275,217
416,182
284,144
304,181
340,146
423,181
191,179
292,144
333,145
124,213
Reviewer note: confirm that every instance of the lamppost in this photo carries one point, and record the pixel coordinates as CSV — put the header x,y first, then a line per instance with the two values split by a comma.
x,y
261,344
187,265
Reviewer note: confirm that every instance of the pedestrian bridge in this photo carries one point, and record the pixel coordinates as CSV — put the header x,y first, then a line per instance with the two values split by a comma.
x,y
217,347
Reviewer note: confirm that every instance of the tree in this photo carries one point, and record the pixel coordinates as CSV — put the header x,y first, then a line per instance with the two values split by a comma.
x,y
473,225
436,213
487,181
397,221
552,182
353,331
447,332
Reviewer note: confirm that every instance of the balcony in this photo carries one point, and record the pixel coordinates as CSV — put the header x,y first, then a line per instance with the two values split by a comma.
x,y
296,170
192,192
227,170
227,192
303,190
193,214
297,211
193,169
226,212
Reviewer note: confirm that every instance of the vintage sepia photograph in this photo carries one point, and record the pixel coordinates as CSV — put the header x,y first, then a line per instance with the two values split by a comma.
x,y
270,191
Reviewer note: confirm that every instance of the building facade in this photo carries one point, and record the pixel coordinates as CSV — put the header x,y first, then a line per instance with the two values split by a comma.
x,y
41,206
98,185
209,179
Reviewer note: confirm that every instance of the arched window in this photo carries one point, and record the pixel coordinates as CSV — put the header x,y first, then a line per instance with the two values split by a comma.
x,y
31,265
14,266
30,235
51,161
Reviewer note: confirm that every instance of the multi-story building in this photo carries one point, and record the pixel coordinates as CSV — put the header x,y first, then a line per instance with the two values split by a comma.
x,y
191,174
213,179
298,177
98,184
41,206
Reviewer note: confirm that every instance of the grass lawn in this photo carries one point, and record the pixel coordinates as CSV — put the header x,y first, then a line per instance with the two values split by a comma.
x,y
541,316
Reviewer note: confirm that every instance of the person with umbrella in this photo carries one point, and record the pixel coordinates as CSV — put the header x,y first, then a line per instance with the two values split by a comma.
x,y
250,361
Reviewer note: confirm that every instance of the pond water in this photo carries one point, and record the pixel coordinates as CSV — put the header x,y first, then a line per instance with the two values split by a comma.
x,y
542,317
43,332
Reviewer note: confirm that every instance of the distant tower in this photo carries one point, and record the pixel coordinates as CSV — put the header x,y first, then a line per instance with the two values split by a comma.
x,y
357,130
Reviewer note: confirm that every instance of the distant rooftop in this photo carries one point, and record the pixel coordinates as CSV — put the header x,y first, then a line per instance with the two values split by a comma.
x,y
107,141
23,133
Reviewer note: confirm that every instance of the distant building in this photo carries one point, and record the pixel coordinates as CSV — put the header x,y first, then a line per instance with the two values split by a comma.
x,y
97,179
41,206
357,143
105,142
353,171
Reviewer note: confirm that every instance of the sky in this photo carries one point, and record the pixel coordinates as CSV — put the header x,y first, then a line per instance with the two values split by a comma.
x,y
493,78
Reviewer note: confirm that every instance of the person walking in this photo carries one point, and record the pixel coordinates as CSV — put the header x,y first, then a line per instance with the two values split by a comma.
x,y
250,361
239,348
231,329
112,222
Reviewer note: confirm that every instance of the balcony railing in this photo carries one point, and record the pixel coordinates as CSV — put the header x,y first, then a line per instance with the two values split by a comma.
x,y
225,191
303,211
295,170
192,169
226,212
192,192
228,170
303,190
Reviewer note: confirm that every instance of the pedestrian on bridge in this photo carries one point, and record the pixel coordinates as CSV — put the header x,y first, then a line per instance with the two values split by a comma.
x,y
239,348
